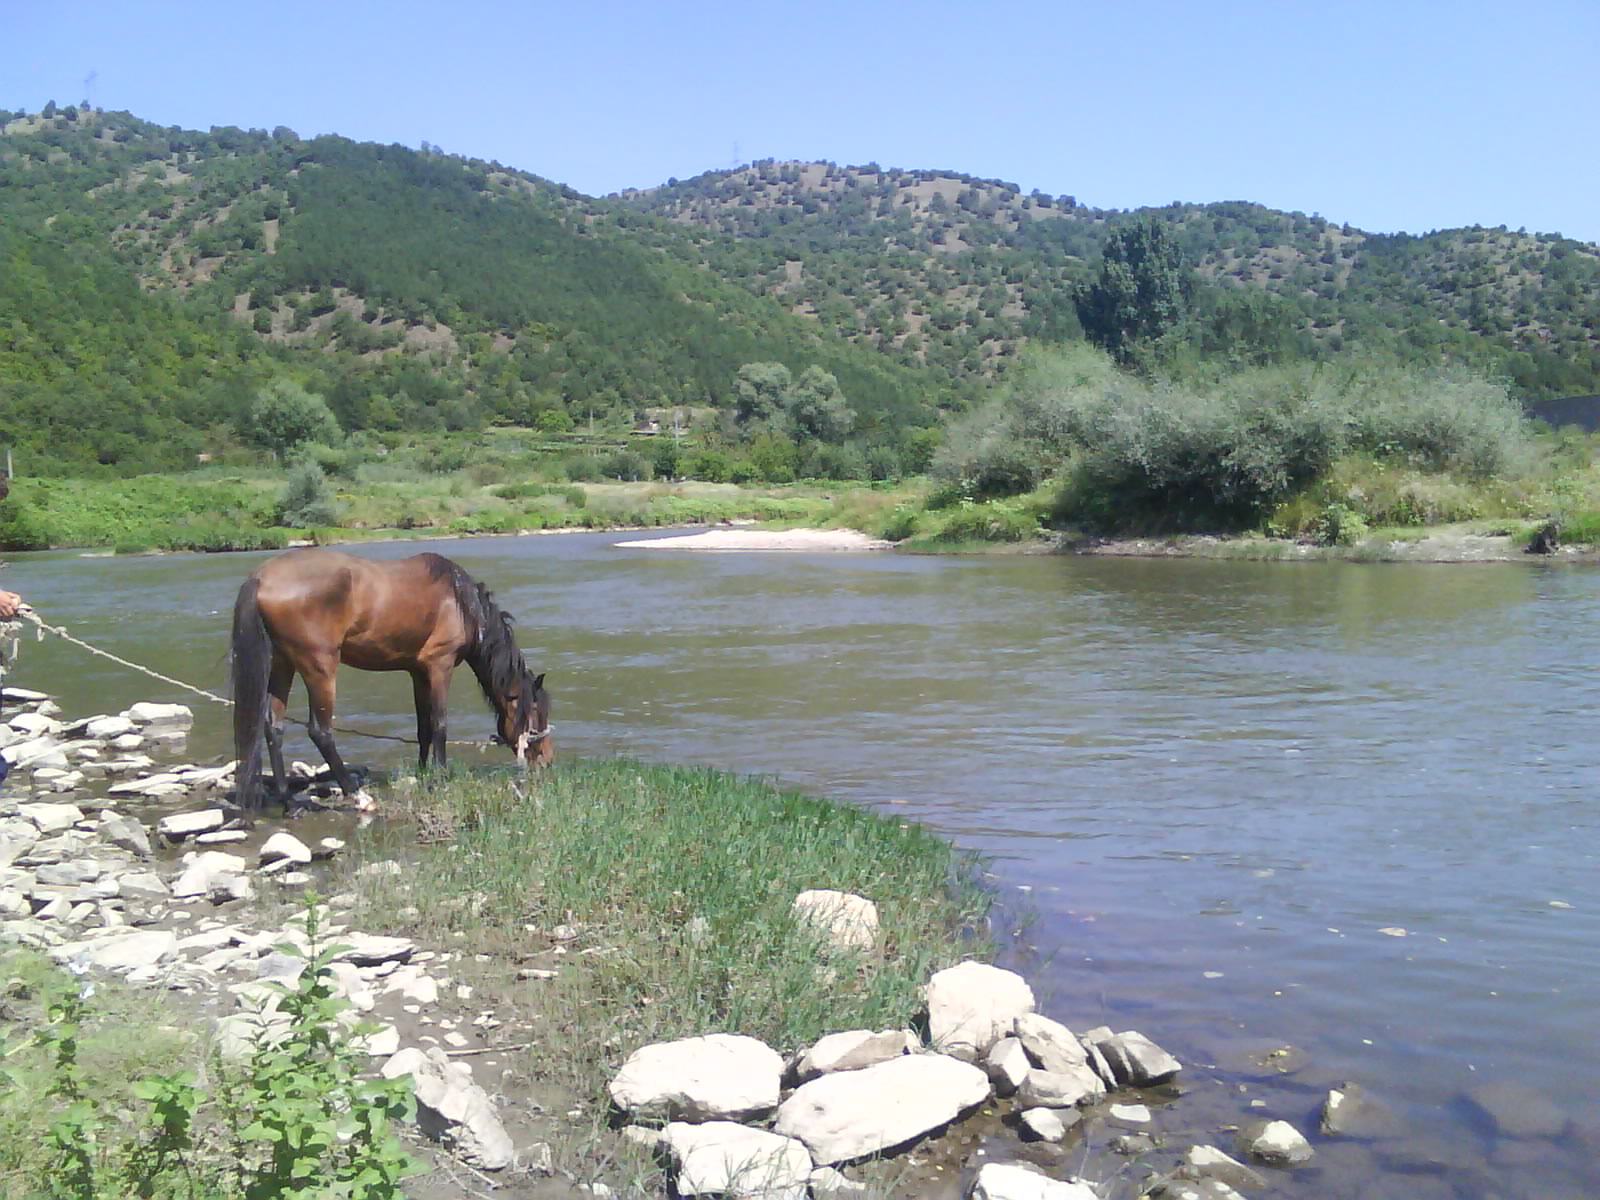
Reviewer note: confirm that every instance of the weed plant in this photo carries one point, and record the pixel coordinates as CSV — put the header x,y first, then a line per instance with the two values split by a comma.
x,y
296,1122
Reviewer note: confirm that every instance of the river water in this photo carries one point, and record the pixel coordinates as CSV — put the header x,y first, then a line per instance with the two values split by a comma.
x,y
1344,807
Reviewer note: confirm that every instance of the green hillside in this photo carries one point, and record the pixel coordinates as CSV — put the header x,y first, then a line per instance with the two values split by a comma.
x,y
955,271
415,290
154,279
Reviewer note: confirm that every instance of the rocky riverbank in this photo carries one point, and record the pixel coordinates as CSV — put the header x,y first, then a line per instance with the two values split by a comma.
x,y
117,857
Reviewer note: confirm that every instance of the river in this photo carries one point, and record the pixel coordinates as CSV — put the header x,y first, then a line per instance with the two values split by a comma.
x,y
1232,805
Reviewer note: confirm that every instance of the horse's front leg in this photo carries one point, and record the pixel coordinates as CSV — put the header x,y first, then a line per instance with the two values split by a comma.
x,y
320,684
431,691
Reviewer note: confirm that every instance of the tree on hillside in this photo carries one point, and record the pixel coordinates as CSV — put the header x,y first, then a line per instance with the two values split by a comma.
x,y
761,390
817,407
1141,294
284,415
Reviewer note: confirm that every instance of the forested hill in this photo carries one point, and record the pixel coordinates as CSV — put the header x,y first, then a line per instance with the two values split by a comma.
x,y
152,279
944,267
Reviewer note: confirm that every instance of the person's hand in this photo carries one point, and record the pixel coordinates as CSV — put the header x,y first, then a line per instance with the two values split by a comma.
x,y
10,602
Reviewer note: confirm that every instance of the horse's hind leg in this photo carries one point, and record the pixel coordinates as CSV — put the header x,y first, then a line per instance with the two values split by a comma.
x,y
278,684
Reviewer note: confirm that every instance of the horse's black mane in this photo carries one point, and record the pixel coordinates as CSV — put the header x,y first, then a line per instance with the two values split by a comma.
x,y
493,654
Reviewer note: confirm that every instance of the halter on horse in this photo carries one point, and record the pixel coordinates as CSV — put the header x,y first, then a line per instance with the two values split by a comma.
x,y
307,611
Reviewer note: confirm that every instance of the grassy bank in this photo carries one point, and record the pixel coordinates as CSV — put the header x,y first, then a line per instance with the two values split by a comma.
x,y
216,510
668,891
654,901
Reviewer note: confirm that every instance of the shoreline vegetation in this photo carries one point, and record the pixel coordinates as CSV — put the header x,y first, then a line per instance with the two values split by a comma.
x,y
1363,461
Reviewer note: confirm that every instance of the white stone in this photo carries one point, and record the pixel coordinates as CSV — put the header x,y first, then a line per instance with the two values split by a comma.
x,y
1049,1044
1136,1061
972,1005
452,1107
1007,1065
125,833
175,826
163,784
125,743
205,869
51,818
141,884
722,1076
720,1158
285,846
850,1114
221,837
106,728
165,714
1061,1089
412,984
853,1050
844,920
1013,1181
34,724
40,752
381,1043
1133,1114
1207,1162
1276,1143
1043,1124
124,951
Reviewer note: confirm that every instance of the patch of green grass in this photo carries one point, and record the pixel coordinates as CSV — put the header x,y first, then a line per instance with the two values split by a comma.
x,y
678,884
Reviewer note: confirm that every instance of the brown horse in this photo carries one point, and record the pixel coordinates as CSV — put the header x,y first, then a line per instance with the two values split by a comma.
x,y
307,611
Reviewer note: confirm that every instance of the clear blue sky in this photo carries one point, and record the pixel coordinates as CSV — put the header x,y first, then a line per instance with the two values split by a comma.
x,y
1391,115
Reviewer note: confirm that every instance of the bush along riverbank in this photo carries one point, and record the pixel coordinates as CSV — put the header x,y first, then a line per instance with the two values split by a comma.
x,y
612,979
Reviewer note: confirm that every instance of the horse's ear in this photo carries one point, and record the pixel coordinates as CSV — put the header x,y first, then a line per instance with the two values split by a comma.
x,y
538,681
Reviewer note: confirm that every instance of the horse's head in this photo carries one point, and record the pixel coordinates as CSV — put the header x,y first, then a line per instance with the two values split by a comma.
x,y
525,722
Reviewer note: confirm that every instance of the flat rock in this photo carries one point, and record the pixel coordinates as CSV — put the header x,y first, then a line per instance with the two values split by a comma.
x,y
851,1114
1351,1111
50,818
972,1005
853,1050
176,826
721,1076
126,951
106,728
139,885
1015,1181
163,714
1207,1162
1516,1110
34,724
720,1158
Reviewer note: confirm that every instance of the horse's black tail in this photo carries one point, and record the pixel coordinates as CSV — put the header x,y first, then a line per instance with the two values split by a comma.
x,y
250,659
